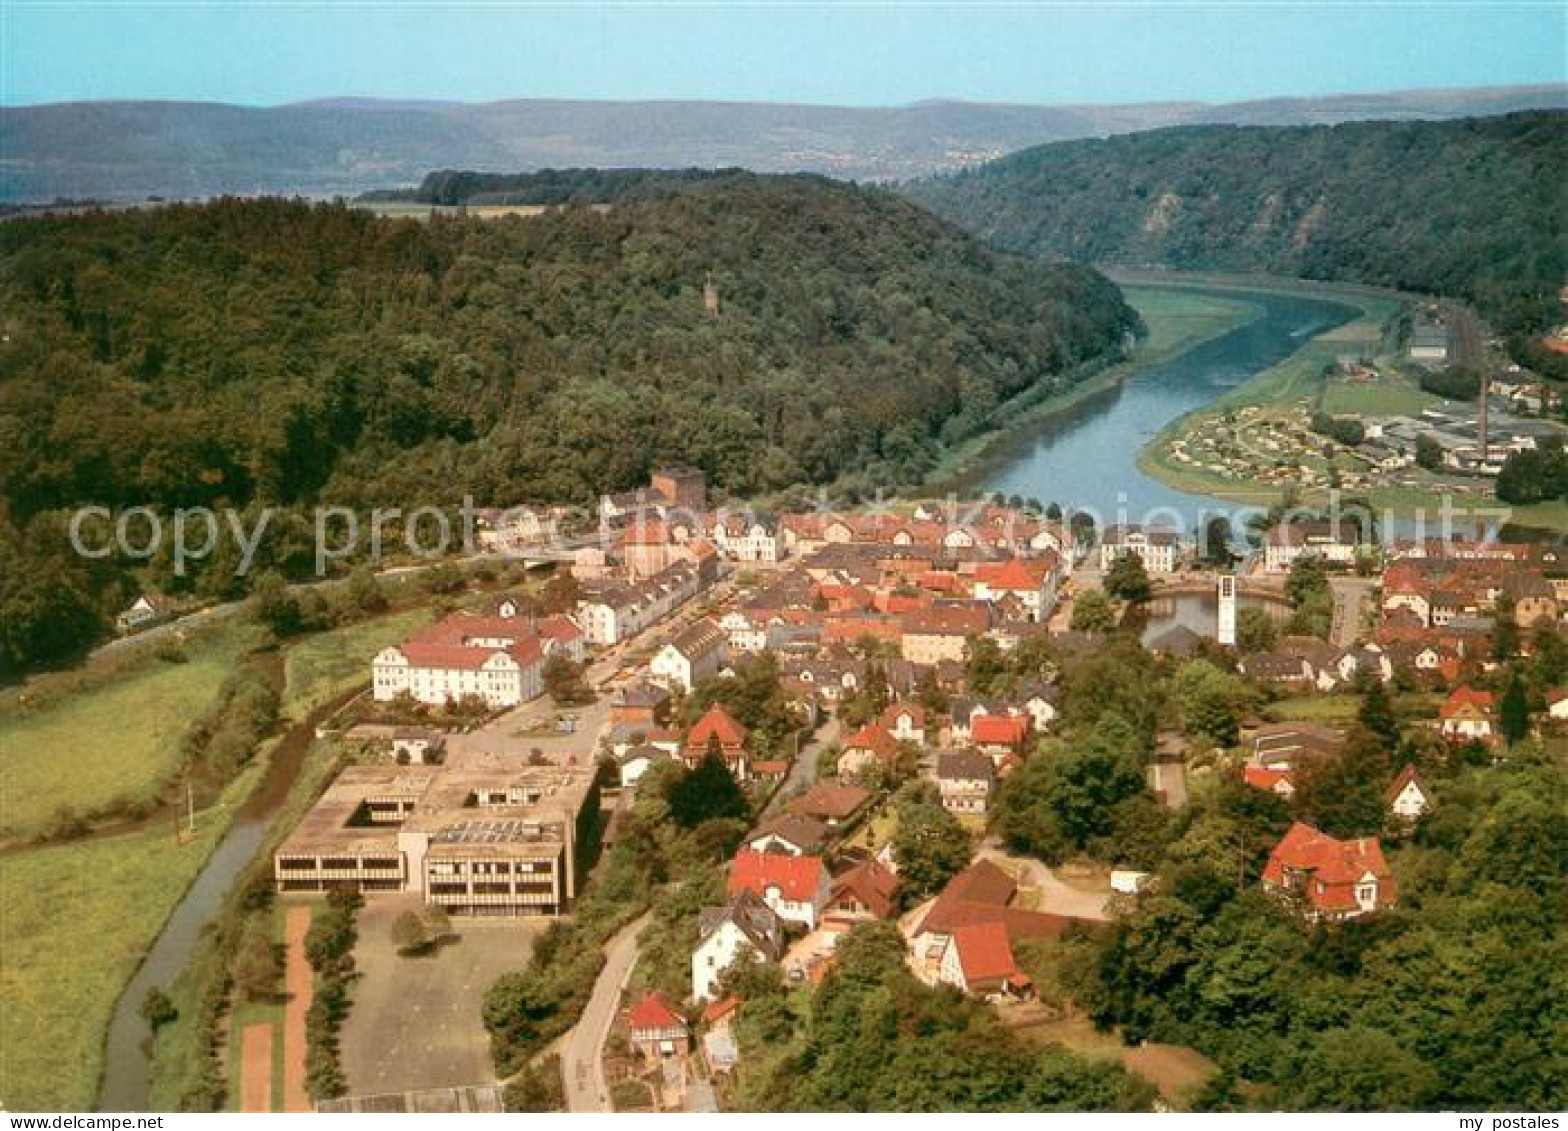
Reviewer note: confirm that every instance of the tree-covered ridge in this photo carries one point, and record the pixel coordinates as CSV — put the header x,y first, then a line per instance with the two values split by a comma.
x,y
275,350
551,186
1471,208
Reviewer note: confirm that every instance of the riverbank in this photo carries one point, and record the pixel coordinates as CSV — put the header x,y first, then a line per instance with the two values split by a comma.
x,y
1177,319
1285,396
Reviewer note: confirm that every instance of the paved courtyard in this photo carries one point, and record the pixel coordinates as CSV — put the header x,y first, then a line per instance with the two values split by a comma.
x,y
415,1022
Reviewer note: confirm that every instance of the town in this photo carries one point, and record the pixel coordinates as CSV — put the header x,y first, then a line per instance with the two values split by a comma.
x,y
861,701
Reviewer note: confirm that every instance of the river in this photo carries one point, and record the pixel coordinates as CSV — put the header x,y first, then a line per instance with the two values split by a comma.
x,y
1087,456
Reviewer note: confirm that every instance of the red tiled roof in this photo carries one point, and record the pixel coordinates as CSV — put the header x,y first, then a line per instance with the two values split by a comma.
x,y
916,713
999,730
719,1010
874,738
1015,573
1333,867
1462,697
1265,777
716,723
984,953
654,1013
869,883
798,878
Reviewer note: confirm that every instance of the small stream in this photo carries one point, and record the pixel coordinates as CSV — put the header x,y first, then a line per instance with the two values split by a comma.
x,y
127,1074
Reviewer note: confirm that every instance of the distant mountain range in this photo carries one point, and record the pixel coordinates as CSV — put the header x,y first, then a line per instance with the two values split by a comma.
x,y
130,150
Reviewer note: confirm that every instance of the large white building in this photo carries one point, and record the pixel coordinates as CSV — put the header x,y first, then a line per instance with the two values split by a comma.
x,y
1289,541
748,540
1159,549
499,659
617,612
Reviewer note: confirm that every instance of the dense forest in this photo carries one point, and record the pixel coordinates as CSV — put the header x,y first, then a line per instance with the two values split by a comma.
x,y
274,352
1471,208
551,186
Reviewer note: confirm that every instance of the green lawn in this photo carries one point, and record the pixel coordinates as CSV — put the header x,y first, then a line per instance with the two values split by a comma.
x,y
75,920
1390,396
321,666
1180,319
115,739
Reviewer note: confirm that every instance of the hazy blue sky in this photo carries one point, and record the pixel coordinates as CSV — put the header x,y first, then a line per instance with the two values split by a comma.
x,y
863,54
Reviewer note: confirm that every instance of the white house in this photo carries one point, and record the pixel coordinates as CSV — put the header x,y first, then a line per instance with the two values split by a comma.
x,y
1408,798
795,887
1158,549
689,658
140,612
743,925
1285,543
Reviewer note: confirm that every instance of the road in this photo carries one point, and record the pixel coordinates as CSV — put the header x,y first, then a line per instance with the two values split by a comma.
x,y
1350,597
803,773
1056,896
583,1062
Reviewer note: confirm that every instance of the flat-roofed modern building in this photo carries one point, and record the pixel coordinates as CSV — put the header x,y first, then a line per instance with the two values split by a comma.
x,y
485,836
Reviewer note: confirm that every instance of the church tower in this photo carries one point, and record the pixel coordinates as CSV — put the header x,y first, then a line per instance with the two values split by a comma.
x,y
1227,620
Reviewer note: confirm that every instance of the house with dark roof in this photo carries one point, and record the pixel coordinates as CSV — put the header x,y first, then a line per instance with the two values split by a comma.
x,y
792,834
1408,797
745,925
965,779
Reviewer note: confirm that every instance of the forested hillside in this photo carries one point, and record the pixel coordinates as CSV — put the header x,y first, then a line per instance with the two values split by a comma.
x,y
551,186
1472,208
280,352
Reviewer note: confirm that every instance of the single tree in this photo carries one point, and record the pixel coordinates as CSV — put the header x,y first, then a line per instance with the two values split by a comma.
x,y
409,934
1513,713
1092,612
1128,580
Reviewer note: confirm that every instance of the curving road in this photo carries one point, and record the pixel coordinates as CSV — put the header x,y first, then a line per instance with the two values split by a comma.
x,y
582,1062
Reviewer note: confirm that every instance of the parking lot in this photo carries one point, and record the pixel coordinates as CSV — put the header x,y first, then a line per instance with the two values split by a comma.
x,y
415,1022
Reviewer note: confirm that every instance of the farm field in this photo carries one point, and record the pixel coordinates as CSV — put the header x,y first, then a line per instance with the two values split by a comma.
x,y
115,740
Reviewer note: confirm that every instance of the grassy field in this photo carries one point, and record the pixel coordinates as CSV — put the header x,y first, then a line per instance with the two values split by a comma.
x,y
323,665
1392,396
1177,319
114,740
66,956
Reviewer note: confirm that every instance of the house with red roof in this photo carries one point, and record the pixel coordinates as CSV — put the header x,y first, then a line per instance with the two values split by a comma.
x,y
494,658
720,731
1273,779
1409,797
868,750
981,894
1334,879
795,887
864,893
980,961
1030,581
906,722
999,735
655,1028
1468,714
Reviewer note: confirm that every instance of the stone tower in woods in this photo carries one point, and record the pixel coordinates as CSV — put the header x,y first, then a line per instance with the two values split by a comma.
x,y
710,298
